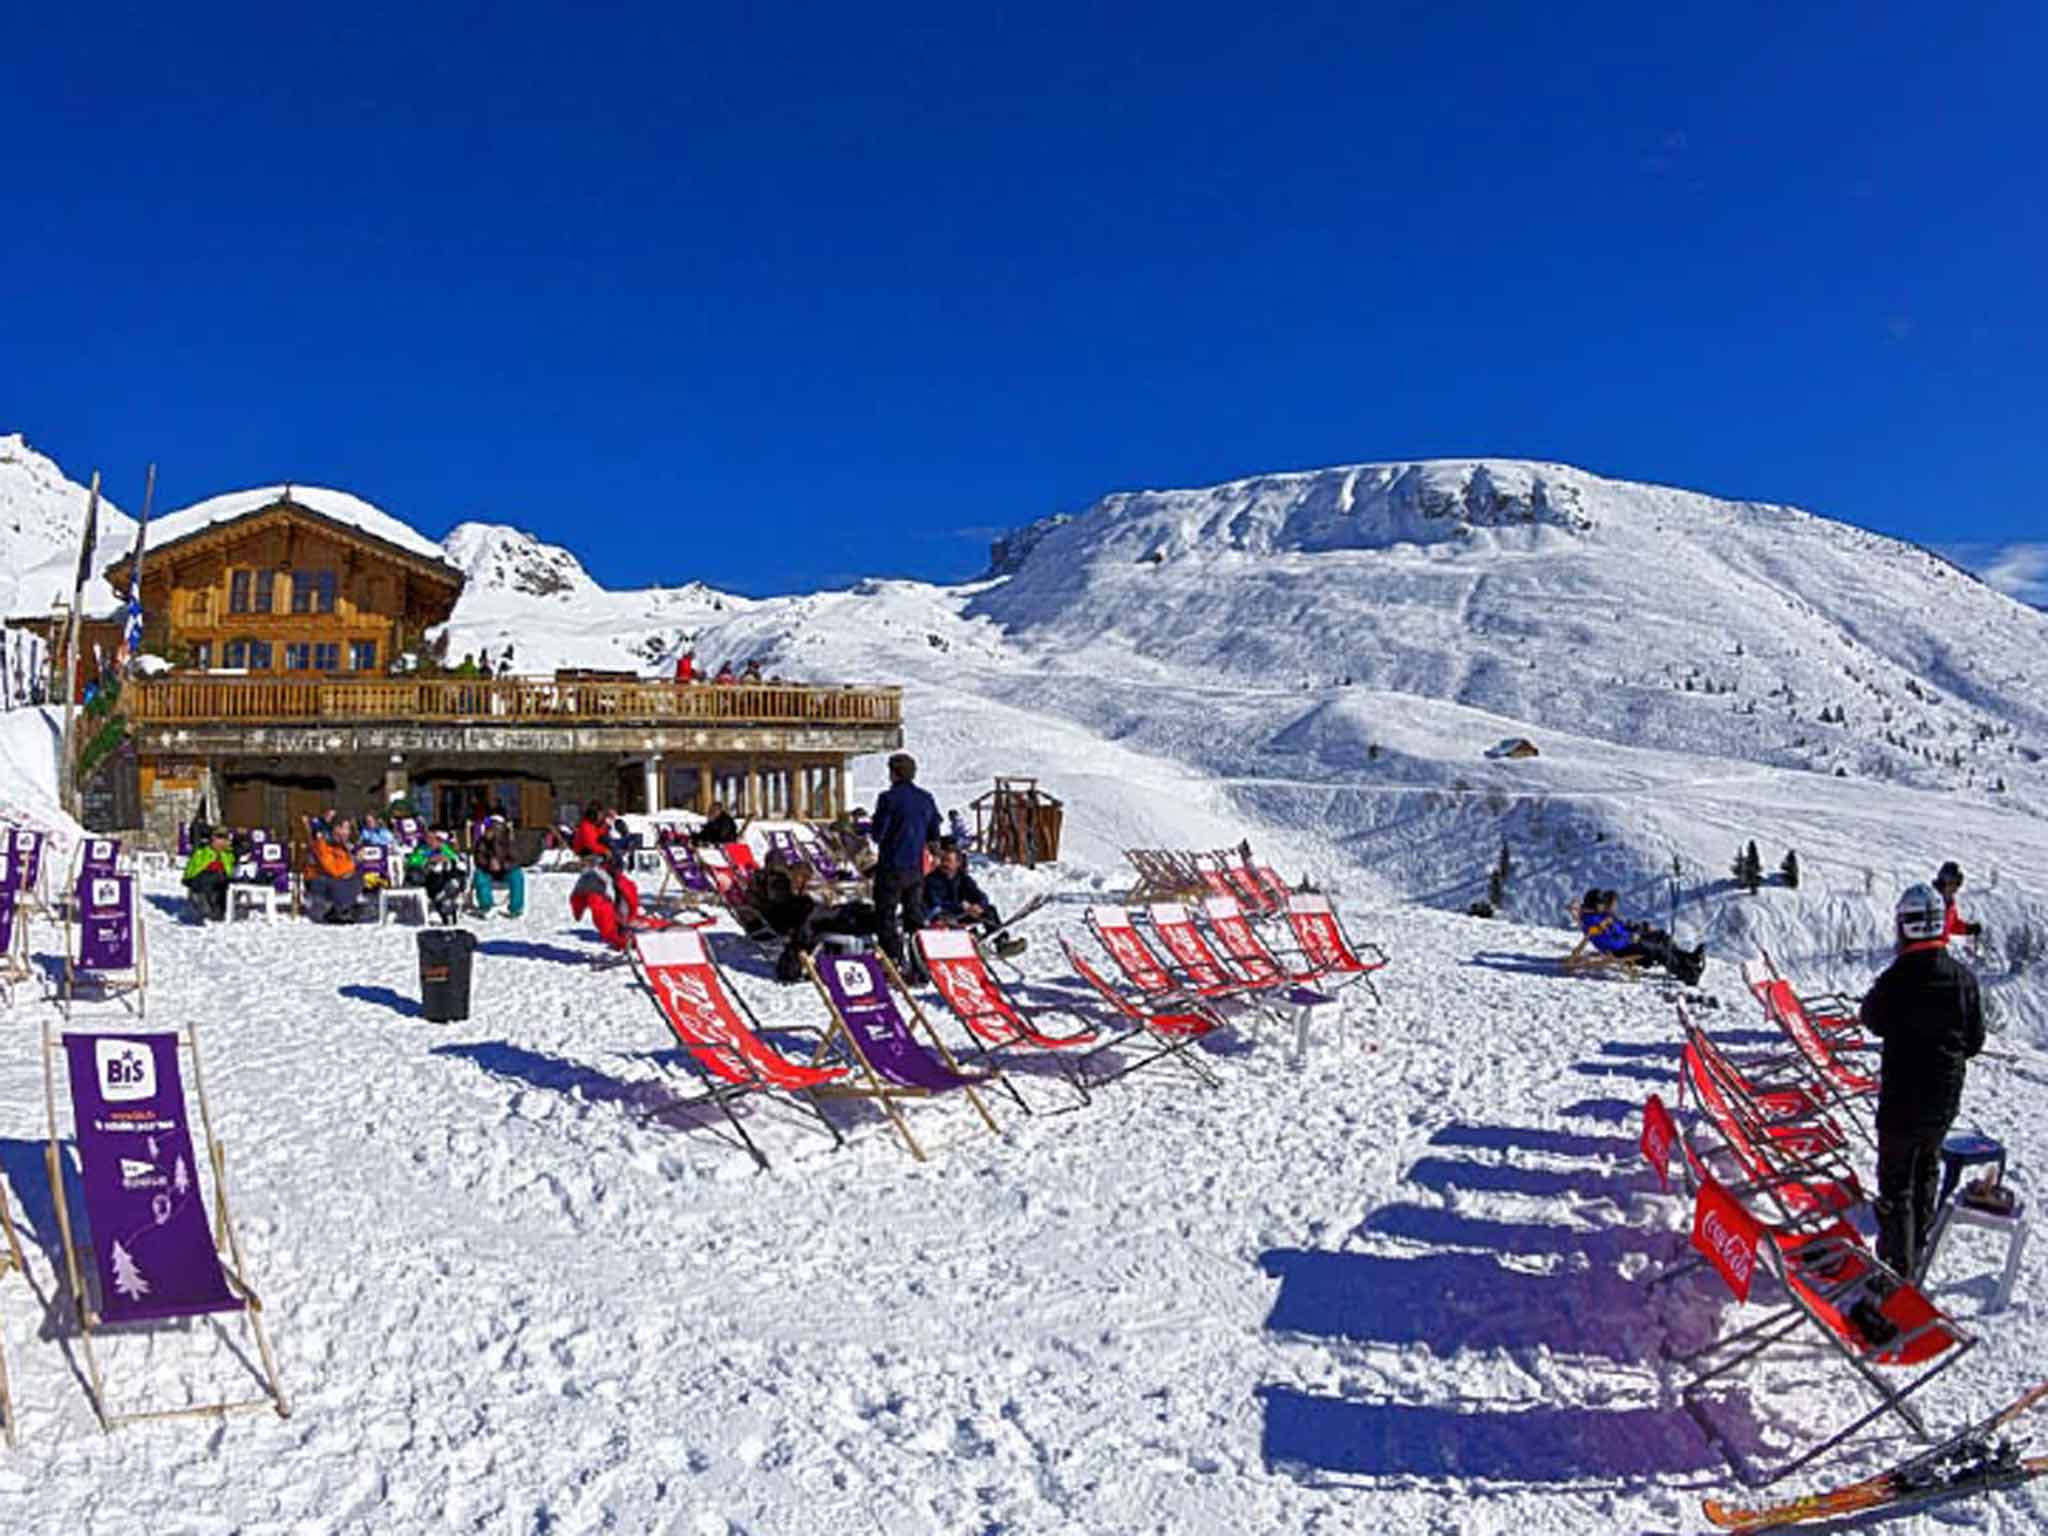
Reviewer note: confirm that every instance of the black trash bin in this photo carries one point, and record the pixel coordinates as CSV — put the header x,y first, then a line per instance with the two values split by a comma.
x,y
445,961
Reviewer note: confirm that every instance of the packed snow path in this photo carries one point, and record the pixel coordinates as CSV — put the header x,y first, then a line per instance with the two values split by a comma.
x,y
1398,1290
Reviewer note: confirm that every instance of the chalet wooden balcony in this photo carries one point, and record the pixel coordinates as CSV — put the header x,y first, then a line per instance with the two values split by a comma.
x,y
502,702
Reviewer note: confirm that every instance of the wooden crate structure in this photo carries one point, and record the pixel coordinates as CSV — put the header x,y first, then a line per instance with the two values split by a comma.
x,y
1018,823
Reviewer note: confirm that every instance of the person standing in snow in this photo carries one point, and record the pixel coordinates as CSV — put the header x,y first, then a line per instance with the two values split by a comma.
x,y
906,824
1927,1010
686,667
1949,882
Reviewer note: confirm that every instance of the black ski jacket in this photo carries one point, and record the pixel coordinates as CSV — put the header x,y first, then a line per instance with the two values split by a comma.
x,y
1927,1010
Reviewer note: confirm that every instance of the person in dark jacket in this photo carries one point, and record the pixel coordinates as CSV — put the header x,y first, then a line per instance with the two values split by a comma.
x,y
1928,1012
1599,921
719,828
952,899
497,867
906,824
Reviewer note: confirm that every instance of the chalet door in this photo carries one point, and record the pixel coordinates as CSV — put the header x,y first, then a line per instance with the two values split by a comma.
x,y
243,806
632,797
536,804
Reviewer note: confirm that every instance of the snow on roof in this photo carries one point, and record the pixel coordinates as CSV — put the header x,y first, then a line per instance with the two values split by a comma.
x,y
338,505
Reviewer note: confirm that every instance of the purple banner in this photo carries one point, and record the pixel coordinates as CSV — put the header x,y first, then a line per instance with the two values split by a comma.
x,y
106,923
28,858
152,1248
859,990
10,900
98,856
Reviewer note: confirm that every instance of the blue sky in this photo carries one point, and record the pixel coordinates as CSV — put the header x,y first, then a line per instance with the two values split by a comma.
x,y
774,297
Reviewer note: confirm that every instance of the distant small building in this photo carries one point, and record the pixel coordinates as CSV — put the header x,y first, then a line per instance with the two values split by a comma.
x,y
1513,746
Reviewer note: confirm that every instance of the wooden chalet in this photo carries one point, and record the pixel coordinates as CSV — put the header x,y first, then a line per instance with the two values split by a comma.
x,y
290,617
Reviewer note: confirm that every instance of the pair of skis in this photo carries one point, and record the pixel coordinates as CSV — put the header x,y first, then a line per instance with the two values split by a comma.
x,y
1976,1459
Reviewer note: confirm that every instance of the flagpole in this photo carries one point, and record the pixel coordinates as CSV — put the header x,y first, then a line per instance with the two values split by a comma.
x,y
67,790
131,627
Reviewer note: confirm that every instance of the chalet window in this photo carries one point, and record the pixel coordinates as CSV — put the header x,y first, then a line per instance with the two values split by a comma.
x,y
362,655
249,592
202,654
253,654
313,591
327,656
298,656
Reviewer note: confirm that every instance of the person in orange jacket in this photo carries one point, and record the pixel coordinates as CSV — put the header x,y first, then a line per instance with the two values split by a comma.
x,y
334,887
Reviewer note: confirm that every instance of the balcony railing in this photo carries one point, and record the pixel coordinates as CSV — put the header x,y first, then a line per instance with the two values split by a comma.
x,y
502,701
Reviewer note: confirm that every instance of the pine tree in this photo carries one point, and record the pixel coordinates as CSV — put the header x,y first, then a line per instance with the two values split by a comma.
x,y
1752,868
127,1275
1790,869
1741,865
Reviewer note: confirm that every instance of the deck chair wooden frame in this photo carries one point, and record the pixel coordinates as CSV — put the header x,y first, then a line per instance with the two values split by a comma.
x,y
735,1067
129,987
887,1091
678,863
959,969
11,1263
227,1246
1172,1033
1820,1272
1589,959
15,965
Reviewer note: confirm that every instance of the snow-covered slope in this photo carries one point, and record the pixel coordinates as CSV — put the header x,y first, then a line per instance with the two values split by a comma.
x,y
41,516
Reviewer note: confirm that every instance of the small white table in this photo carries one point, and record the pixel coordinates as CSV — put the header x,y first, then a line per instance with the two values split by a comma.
x,y
2012,1224
390,896
244,898
1303,1001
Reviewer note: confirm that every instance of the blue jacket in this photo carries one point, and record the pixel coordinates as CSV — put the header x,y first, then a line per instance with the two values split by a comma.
x,y
1608,932
906,819
948,895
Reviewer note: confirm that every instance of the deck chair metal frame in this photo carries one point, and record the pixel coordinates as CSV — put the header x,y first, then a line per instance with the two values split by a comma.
x,y
11,1263
1167,1031
1851,1093
885,1092
725,1091
226,1239
1334,959
959,970
118,985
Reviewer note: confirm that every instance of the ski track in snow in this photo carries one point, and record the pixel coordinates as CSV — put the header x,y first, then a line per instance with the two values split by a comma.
x,y
514,1289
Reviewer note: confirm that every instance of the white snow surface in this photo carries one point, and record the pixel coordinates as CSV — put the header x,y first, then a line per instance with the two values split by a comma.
x,y
515,1286
341,506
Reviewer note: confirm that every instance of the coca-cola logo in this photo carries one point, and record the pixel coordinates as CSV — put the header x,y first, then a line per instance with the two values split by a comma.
x,y
1727,1236
1736,1258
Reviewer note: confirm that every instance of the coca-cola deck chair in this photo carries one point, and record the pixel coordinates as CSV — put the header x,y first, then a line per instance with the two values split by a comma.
x,y
1172,1030
730,887
1333,959
890,1064
1201,971
1885,1329
720,1035
1140,964
1799,1168
147,1252
960,973
1850,1090
106,948
1244,883
740,856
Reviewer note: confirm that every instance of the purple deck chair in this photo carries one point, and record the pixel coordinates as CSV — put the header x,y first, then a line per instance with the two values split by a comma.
x,y
14,960
104,943
784,842
27,847
828,868
99,856
151,1253
679,868
860,993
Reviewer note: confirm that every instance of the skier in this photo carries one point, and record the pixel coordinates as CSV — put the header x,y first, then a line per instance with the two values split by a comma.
x,y
1949,881
608,898
906,824
1927,1010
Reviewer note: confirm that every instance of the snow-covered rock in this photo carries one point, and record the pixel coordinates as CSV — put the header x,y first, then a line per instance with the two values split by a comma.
x,y
42,514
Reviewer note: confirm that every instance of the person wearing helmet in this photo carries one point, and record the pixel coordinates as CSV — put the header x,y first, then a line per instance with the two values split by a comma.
x,y
1949,881
1927,1010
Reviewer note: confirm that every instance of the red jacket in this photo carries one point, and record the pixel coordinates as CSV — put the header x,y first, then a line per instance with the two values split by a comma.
x,y
589,838
686,668
1952,924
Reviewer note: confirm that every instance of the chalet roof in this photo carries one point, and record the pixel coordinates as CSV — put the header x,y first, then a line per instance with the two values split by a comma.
x,y
351,513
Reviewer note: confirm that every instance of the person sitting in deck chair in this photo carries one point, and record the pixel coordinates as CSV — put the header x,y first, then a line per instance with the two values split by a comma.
x,y
497,867
375,833
1636,941
593,832
208,872
952,899
433,865
334,886
604,894
719,828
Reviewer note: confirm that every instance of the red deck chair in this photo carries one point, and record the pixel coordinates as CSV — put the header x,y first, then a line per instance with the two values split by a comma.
x,y
741,857
1245,948
1214,880
1207,976
1798,1168
1247,888
731,889
1848,1088
1172,1031
1835,1283
1143,969
719,1034
954,962
1276,888
1773,1102
1831,1012
1331,956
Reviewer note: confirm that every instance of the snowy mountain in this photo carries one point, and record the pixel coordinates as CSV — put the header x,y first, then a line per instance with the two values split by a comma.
x,y
41,515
